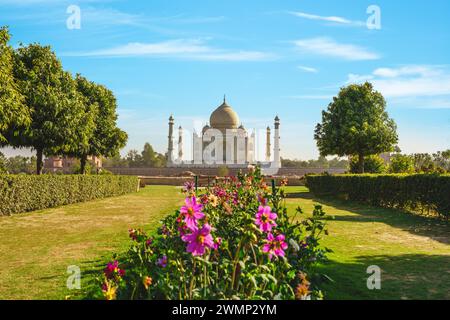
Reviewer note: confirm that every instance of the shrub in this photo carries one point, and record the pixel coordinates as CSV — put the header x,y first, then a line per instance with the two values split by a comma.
x,y
234,241
372,164
22,193
417,192
402,164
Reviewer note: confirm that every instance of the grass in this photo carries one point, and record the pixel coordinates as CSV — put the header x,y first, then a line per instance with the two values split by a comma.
x,y
36,248
413,252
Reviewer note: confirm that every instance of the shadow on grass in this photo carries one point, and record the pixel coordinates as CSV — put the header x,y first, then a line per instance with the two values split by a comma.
x,y
402,277
433,228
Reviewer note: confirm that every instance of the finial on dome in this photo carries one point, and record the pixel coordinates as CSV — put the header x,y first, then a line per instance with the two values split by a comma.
x,y
224,98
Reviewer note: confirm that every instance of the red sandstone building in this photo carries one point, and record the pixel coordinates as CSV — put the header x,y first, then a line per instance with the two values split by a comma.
x,y
67,164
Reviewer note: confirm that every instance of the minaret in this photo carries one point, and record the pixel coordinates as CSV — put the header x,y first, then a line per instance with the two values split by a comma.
x,y
276,144
180,144
268,145
170,147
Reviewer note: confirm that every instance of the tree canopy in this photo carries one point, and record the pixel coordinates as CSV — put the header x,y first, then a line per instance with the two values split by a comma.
x,y
52,100
103,137
356,123
13,112
44,108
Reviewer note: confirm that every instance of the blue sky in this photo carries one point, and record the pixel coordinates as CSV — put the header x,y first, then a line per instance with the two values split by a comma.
x,y
269,57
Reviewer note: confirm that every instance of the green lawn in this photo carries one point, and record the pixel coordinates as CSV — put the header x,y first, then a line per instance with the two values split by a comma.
x,y
413,252
36,248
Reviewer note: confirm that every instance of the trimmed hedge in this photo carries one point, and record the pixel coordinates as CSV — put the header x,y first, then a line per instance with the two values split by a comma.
x,y
423,193
22,193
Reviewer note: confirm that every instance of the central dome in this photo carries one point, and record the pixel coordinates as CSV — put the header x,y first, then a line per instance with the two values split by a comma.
x,y
224,117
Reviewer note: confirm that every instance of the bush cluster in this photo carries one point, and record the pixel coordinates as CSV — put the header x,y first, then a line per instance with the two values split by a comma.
x,y
422,193
22,193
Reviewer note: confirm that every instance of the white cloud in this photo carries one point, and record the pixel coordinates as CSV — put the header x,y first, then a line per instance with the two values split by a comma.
x,y
333,19
308,69
192,49
419,84
424,71
329,47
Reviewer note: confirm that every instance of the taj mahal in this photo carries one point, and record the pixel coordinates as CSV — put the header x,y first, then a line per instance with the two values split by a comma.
x,y
224,141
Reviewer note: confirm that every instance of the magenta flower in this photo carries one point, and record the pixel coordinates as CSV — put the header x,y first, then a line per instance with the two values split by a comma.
x,y
275,245
112,270
188,186
192,212
198,240
162,262
265,219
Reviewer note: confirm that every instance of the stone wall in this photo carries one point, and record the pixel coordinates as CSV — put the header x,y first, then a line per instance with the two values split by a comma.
x,y
177,172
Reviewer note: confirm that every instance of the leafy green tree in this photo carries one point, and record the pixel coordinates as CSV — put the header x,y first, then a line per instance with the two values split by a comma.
x,y
442,159
401,163
356,123
150,158
134,159
148,155
13,111
105,139
372,164
21,164
423,162
115,162
50,100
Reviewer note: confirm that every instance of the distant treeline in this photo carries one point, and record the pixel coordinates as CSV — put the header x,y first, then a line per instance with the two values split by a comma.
x,y
321,162
148,157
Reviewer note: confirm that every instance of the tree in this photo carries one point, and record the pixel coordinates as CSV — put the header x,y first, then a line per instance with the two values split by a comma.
x,y
423,162
13,111
20,164
106,139
372,164
133,158
148,155
150,158
356,123
402,164
442,159
50,101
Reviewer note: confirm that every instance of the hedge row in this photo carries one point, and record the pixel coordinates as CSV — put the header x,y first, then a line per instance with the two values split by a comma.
x,y
423,193
22,193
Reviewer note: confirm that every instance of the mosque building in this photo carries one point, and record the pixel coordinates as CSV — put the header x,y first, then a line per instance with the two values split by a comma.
x,y
224,142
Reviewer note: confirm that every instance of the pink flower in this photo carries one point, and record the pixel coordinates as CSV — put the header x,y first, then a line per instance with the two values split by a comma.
x,y
112,270
265,219
188,186
192,212
198,240
275,245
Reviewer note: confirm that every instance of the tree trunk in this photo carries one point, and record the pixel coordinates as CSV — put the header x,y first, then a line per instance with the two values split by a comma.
x,y
39,163
361,163
83,161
